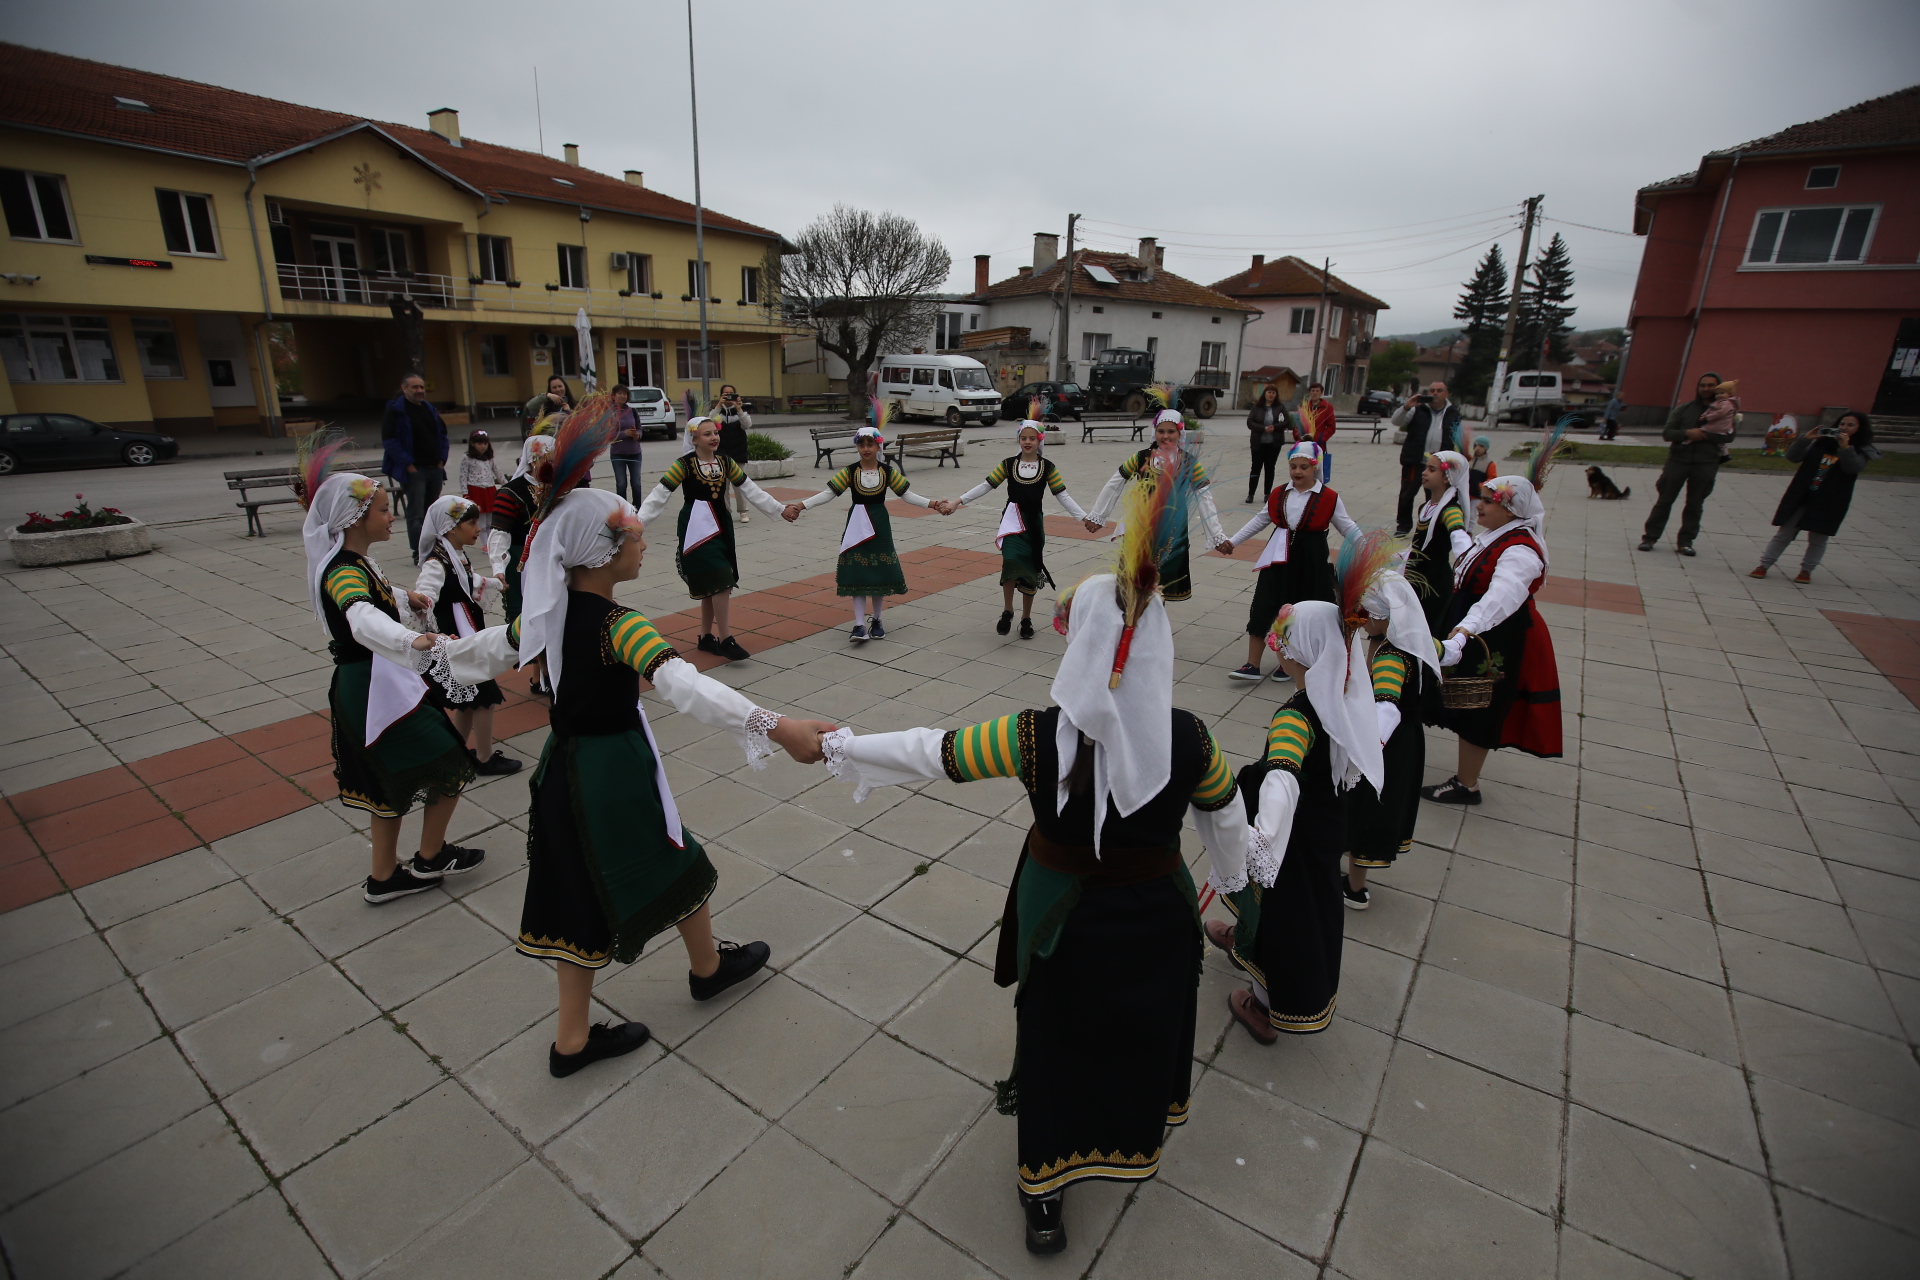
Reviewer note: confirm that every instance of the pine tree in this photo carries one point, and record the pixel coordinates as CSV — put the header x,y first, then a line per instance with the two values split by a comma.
x,y
1483,309
1545,321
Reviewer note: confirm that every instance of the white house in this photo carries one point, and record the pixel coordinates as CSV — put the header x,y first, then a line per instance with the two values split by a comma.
x,y
802,355
1287,330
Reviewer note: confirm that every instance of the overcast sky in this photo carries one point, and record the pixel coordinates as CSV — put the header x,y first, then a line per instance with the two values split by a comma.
x,y
1397,137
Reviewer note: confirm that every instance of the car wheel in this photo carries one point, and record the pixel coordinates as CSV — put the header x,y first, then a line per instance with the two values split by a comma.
x,y
1136,404
953,417
139,455
8,463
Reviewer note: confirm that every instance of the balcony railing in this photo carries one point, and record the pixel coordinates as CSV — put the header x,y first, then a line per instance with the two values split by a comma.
x,y
300,282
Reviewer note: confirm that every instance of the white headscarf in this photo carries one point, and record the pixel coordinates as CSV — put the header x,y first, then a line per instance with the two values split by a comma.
x,y
1037,425
1516,494
1174,416
863,432
341,500
446,512
1459,473
1340,686
691,424
1305,449
584,529
1131,727
1391,596
532,449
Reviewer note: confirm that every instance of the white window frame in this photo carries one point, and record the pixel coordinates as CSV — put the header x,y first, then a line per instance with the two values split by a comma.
x,y
705,273
186,221
1334,316
1218,350
156,325
1092,344
39,215
649,353
640,275
496,255
1330,380
686,353
572,259
750,285
384,239
1786,213
23,358
1301,321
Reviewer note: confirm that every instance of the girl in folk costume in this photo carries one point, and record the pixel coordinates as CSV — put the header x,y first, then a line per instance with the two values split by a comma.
x,y
609,863
448,589
869,568
1322,742
1100,930
1294,566
1194,491
1404,664
480,476
704,548
513,510
1493,590
1442,533
392,746
1022,536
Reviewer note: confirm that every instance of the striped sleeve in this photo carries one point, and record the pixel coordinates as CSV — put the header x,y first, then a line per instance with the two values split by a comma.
x,y
1451,519
840,481
736,474
897,481
1131,467
1056,483
513,633
1389,676
506,505
636,643
997,476
1216,789
1289,738
675,474
990,750
347,584
1200,475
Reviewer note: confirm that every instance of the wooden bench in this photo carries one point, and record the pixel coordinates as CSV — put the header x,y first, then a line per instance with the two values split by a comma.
x,y
245,483
500,408
942,444
828,400
827,439
1089,426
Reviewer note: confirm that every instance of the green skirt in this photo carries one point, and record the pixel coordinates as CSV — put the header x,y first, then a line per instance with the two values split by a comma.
x,y
419,757
872,568
709,568
1021,564
511,579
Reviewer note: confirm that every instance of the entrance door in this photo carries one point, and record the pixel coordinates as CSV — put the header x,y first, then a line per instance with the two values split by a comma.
x,y
223,349
1899,392
922,399
337,254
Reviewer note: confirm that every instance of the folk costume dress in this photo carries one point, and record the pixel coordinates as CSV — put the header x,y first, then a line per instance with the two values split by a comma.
x,y
446,578
1176,573
712,564
1294,565
1405,667
1023,528
609,862
1101,931
868,565
514,507
1442,533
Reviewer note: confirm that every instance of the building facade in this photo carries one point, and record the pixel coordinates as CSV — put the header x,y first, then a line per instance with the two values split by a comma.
x,y
190,258
1791,263
1290,330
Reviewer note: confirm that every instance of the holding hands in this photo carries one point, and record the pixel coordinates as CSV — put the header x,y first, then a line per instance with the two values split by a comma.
x,y
792,512
1225,548
801,738
1093,526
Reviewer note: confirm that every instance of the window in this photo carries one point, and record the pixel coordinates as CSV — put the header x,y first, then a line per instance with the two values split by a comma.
x,y
896,373
1153,346
1302,320
1803,237
496,265
946,330
750,284
923,377
573,267
566,355
1216,319
159,351
698,279
36,205
638,362
1156,315
973,322
639,273
687,359
39,348
187,222
1099,311
1211,354
946,378
494,361
1330,380
391,255
1092,344
1334,317
1823,176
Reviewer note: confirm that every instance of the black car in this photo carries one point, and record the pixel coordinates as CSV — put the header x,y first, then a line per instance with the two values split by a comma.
x,y
64,440
1377,404
1063,400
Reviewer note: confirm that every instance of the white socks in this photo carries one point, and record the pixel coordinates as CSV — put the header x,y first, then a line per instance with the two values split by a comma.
x,y
859,611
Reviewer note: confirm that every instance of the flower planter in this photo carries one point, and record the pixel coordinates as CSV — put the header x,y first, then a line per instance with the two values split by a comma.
x,y
770,469
72,546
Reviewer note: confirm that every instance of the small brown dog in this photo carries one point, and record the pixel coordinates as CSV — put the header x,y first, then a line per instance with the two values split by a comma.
x,y
1600,485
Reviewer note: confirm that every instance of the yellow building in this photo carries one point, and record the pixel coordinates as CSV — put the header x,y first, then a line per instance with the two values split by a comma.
x,y
191,258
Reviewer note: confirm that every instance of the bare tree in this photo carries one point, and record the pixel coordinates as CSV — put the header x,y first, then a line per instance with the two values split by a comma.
x,y
861,283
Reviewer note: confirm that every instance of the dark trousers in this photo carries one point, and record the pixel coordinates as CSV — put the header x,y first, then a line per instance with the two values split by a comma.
x,y
1697,479
423,490
1265,458
626,478
1409,485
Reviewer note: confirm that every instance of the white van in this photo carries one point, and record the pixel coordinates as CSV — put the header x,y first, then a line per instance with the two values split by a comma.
x,y
953,389
1525,392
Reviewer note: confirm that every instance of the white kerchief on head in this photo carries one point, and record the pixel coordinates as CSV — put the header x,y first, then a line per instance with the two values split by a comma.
x,y
575,534
1517,494
1305,449
1037,425
691,424
1131,727
863,433
446,512
342,499
1392,597
532,449
1340,686
1459,473
1174,416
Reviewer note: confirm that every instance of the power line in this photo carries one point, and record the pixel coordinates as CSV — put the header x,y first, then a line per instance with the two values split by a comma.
x,y
1299,235
1585,227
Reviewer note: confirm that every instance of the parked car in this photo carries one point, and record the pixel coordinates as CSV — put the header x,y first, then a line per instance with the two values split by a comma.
x,y
950,389
1377,404
1063,400
63,440
653,410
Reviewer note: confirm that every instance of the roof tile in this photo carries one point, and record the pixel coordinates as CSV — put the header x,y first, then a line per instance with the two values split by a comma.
x,y
1291,277
1177,291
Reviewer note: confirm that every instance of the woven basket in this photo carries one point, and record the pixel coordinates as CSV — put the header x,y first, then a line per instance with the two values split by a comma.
x,y
1468,693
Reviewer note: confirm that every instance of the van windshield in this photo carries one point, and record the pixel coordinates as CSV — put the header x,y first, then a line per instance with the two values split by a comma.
x,y
972,380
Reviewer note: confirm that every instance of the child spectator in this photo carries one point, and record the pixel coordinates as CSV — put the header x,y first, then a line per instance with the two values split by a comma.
x,y
480,477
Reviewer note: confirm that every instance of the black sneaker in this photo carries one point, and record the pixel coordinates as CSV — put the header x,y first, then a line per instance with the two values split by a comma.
x,y
402,883
1247,672
452,860
604,1040
1046,1223
1646,544
1686,549
707,644
731,650
858,635
497,764
1452,791
1026,628
1357,899
737,964
875,630
1006,622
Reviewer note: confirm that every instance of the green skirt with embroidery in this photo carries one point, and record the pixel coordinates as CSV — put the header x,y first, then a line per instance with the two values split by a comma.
x,y
709,568
872,568
419,758
1021,562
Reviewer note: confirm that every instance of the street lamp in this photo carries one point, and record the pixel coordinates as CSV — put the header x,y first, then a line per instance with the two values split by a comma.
x,y
699,224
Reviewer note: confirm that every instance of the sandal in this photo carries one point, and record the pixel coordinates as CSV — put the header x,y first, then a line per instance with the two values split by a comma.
x,y
1252,1015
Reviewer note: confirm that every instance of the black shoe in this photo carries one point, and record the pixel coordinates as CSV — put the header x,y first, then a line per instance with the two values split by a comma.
x,y
1402,530
1006,622
1026,628
1646,544
1452,791
1046,1223
731,650
1249,499
707,644
1357,899
498,764
402,883
1686,549
858,635
737,964
452,860
875,630
604,1040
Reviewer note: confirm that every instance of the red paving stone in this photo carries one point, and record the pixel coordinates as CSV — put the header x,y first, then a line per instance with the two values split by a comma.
x,y
169,765
197,789
16,846
90,822
58,797
26,883
282,733
108,856
1584,593
236,813
1892,645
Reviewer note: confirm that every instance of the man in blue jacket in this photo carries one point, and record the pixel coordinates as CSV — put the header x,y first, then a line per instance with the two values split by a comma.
x,y
416,452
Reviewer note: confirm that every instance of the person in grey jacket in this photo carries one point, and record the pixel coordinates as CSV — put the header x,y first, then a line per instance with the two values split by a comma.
x,y
1693,464
1817,499
1432,423
1266,433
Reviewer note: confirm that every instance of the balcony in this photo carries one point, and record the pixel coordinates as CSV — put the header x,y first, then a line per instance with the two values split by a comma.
x,y
351,285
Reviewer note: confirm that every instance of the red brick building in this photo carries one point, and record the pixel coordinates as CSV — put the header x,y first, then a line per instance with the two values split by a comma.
x,y
1792,263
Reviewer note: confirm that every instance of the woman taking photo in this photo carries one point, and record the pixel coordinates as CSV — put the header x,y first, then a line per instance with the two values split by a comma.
x,y
1816,500
555,402
734,423
1265,421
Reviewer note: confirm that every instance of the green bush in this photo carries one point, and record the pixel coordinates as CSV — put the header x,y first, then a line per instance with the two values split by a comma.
x,y
762,447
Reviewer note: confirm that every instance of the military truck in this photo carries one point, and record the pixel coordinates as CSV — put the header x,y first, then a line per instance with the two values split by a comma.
x,y
1121,375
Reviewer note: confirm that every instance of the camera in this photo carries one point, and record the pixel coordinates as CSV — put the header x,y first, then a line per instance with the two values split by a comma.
x,y
1827,433
1423,399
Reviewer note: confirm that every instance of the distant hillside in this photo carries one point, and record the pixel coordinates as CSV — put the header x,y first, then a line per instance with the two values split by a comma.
x,y
1431,338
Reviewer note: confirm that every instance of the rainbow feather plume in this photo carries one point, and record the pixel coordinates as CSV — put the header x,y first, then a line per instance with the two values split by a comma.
x,y
1036,408
1552,441
1364,557
314,454
882,411
1155,517
587,431
1164,394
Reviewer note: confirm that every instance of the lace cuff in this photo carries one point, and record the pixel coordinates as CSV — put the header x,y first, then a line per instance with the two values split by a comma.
x,y
1224,887
760,723
436,666
834,746
1263,864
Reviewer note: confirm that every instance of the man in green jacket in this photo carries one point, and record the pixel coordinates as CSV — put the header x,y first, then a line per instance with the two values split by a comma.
x,y
1693,463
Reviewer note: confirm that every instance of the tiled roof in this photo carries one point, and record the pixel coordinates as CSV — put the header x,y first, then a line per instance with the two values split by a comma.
x,y
1889,121
75,96
1290,277
1165,287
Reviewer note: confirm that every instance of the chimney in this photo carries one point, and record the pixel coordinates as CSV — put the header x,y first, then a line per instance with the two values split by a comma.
x,y
1147,257
980,281
1259,269
1159,257
446,123
1046,250
636,178
573,153
1026,273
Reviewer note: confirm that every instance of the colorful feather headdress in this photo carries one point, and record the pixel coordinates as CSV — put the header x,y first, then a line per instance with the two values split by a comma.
x,y
313,455
1552,442
588,430
882,410
1036,409
1363,557
1155,517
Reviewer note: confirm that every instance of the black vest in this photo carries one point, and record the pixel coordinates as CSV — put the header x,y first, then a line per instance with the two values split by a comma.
x,y
344,648
1156,824
1320,819
598,692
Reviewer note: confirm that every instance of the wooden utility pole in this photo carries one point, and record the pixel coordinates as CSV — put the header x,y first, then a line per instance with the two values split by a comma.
x,y
1320,329
1513,306
1066,309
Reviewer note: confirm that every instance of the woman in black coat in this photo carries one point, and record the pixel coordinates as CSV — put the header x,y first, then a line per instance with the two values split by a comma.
x,y
1266,428
1816,500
